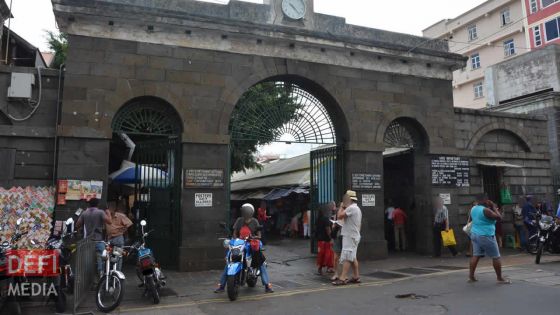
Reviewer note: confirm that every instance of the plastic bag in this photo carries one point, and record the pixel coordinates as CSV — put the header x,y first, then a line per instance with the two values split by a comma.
x,y
448,238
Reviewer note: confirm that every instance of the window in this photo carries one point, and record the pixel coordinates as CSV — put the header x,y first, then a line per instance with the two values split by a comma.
x,y
505,17
472,32
537,35
509,48
552,29
478,90
534,6
475,61
546,3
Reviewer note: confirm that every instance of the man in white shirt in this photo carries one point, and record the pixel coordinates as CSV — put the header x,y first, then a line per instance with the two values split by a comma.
x,y
352,215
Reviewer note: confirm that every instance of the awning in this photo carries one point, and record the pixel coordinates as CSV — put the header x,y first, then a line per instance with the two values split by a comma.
x,y
255,195
389,152
498,164
281,193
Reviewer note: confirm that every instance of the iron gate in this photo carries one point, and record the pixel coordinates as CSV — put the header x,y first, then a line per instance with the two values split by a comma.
x,y
326,182
158,195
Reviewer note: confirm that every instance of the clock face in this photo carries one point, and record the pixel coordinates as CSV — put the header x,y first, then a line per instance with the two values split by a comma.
x,y
294,9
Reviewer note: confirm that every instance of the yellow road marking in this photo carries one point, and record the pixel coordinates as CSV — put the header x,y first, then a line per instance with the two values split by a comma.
x,y
261,297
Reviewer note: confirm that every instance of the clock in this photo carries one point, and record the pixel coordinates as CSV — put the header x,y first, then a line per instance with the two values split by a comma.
x,y
294,9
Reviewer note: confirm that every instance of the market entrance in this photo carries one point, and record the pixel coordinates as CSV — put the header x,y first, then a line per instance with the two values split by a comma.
x,y
404,182
285,145
145,171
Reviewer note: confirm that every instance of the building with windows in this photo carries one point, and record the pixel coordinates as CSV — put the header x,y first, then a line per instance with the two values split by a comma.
x,y
542,23
487,34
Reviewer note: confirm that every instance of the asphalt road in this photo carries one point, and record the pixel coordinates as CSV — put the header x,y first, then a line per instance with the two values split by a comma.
x,y
535,290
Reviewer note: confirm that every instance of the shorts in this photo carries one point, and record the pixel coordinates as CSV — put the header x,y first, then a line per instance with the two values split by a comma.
x,y
349,249
485,246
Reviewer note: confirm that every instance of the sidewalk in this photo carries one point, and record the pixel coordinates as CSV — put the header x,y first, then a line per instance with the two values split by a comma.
x,y
291,267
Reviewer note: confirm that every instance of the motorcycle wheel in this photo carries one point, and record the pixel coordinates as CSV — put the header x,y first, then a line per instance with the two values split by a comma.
x,y
232,288
540,249
152,288
114,296
60,302
251,281
532,247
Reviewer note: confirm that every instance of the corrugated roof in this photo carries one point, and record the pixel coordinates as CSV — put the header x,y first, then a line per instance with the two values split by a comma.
x,y
284,173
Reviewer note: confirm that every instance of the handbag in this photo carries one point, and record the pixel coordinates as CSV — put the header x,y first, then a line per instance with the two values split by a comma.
x,y
467,228
448,238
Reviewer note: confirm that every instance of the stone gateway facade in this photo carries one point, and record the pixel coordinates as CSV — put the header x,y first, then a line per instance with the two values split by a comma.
x,y
195,60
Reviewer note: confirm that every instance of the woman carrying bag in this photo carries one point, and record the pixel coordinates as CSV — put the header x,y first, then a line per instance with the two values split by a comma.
x,y
441,223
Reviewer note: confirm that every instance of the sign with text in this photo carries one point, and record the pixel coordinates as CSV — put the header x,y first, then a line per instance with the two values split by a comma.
x,y
204,178
450,171
446,198
364,181
368,200
203,200
40,263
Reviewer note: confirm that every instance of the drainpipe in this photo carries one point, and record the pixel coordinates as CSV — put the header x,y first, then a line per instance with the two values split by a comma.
x,y
57,118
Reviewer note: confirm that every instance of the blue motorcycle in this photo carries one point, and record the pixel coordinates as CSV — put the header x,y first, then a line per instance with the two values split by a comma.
x,y
244,259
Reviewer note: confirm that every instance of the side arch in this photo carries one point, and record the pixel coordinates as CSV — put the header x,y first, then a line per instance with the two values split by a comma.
x,y
147,115
419,135
515,131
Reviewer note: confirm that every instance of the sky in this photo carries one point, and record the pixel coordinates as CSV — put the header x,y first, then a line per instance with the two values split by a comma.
x,y
33,17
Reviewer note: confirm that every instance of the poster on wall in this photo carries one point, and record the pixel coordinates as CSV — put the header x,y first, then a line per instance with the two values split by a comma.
x,y
364,181
203,200
368,200
450,171
204,178
79,190
446,198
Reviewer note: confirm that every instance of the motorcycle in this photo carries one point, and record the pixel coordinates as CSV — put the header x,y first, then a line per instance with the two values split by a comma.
x,y
10,303
147,269
65,279
111,284
547,237
244,259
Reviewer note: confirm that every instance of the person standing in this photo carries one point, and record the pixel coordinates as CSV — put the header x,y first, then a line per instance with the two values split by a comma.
x,y
352,215
336,240
389,225
306,223
483,235
529,214
519,227
262,217
92,220
118,227
324,244
399,220
441,223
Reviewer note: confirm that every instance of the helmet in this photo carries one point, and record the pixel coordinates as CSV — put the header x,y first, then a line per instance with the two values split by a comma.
x,y
247,210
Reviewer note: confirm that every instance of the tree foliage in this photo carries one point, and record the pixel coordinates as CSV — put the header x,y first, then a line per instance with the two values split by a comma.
x,y
252,125
58,44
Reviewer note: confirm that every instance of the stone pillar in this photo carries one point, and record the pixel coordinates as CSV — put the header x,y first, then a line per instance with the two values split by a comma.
x,y
200,248
373,244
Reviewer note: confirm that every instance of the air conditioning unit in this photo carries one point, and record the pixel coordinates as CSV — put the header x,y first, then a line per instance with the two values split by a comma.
x,y
21,85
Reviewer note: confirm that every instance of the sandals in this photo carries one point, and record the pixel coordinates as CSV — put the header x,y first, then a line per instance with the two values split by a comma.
x,y
504,282
340,282
355,280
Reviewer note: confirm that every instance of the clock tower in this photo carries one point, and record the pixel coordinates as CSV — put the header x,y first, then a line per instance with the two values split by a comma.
x,y
298,13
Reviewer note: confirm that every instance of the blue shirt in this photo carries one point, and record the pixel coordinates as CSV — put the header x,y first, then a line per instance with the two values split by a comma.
x,y
482,225
528,213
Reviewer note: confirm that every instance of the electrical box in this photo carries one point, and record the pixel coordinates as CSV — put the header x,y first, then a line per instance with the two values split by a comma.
x,y
22,85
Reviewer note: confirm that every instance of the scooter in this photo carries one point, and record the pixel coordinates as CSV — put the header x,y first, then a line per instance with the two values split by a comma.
x,y
244,259
147,269
547,237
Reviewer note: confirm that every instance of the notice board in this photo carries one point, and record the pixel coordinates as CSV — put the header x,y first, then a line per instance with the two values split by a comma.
x,y
450,171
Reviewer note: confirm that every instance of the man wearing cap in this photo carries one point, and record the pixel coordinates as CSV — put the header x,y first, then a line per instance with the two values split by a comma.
x,y
352,215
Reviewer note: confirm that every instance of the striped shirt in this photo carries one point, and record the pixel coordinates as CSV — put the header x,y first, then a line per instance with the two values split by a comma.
x,y
441,215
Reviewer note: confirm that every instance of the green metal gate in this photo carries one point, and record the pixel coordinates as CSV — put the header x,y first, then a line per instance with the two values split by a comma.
x,y
158,194
327,182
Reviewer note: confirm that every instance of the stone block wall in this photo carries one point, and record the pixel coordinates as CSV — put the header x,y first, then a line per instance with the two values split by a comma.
x,y
27,147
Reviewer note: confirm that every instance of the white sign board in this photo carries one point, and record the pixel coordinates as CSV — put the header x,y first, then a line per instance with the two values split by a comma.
x,y
368,200
446,198
203,200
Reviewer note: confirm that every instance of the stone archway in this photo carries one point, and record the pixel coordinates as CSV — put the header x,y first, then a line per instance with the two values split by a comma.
x,y
406,182
151,129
